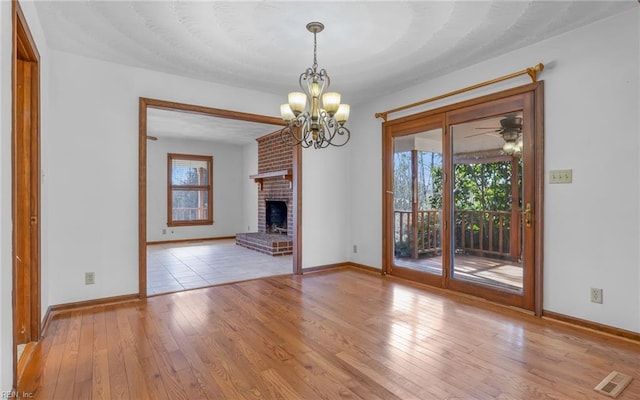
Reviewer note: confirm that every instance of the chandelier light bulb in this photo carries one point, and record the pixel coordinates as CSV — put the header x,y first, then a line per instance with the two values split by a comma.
x,y
286,113
331,102
342,115
297,102
315,89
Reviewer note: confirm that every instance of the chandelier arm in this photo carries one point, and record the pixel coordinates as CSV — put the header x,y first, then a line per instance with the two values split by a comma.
x,y
307,140
303,78
342,131
289,135
333,129
322,141
325,76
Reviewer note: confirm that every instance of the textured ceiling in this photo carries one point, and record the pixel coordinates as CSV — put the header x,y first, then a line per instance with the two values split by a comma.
x,y
163,123
368,48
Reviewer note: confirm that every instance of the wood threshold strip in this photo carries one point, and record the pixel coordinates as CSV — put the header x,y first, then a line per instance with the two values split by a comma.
x,y
532,72
23,362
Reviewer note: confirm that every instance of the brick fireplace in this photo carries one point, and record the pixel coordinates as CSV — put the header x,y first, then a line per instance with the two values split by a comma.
x,y
275,199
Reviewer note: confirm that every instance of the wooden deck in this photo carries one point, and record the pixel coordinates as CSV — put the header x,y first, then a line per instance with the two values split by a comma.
x,y
335,334
486,271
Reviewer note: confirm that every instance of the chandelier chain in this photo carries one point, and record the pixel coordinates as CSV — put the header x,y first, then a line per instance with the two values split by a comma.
x,y
315,48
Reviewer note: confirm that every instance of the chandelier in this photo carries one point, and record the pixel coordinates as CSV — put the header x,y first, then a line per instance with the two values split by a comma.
x,y
314,123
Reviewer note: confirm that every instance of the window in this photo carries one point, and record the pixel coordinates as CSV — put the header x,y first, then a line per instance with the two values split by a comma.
x,y
190,190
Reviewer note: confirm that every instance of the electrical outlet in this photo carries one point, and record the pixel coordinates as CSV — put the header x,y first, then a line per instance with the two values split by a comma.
x,y
561,176
164,231
596,295
355,248
89,278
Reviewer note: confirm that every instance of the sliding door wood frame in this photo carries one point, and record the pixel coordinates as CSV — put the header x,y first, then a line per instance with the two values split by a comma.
x,y
143,105
402,124
392,131
505,105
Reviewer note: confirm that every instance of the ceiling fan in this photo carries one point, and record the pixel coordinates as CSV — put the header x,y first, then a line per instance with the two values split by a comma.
x,y
510,130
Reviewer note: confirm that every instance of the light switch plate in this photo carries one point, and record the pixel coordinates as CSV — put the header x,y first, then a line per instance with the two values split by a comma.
x,y
561,176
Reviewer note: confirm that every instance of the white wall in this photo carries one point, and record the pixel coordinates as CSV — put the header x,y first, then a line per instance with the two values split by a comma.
x,y
249,188
93,168
227,189
325,206
591,233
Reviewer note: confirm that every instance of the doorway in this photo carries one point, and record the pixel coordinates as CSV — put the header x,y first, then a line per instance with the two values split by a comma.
x,y
25,177
463,197
204,261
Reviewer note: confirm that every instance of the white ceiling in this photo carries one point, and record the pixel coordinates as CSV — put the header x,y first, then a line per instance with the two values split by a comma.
x,y
163,123
368,48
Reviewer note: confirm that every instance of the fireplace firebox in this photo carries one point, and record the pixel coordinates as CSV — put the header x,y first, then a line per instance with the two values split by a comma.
x,y
276,216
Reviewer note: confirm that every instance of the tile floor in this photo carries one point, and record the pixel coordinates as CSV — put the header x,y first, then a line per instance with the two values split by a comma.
x,y
176,267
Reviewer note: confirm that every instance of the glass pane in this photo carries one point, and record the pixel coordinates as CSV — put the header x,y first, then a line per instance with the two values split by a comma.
x,y
190,205
487,193
417,187
189,172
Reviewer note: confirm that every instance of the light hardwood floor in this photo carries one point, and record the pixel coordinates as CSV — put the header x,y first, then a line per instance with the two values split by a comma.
x,y
343,333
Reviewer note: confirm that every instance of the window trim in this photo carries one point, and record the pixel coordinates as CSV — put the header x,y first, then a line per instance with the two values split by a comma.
x,y
208,187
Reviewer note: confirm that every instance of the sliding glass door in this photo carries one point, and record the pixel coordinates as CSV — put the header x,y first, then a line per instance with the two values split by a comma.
x,y
462,198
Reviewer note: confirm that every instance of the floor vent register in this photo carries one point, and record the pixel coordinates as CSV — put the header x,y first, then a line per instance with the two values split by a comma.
x,y
613,384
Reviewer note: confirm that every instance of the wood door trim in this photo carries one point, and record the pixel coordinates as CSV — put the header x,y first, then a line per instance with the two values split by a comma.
x,y
215,112
538,214
143,104
24,49
296,187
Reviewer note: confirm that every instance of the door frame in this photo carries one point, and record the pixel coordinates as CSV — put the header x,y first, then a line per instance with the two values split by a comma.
x,y
392,131
505,105
296,187
404,123
24,49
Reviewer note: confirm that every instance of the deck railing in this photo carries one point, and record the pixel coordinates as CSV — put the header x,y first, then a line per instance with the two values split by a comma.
x,y
478,232
189,213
